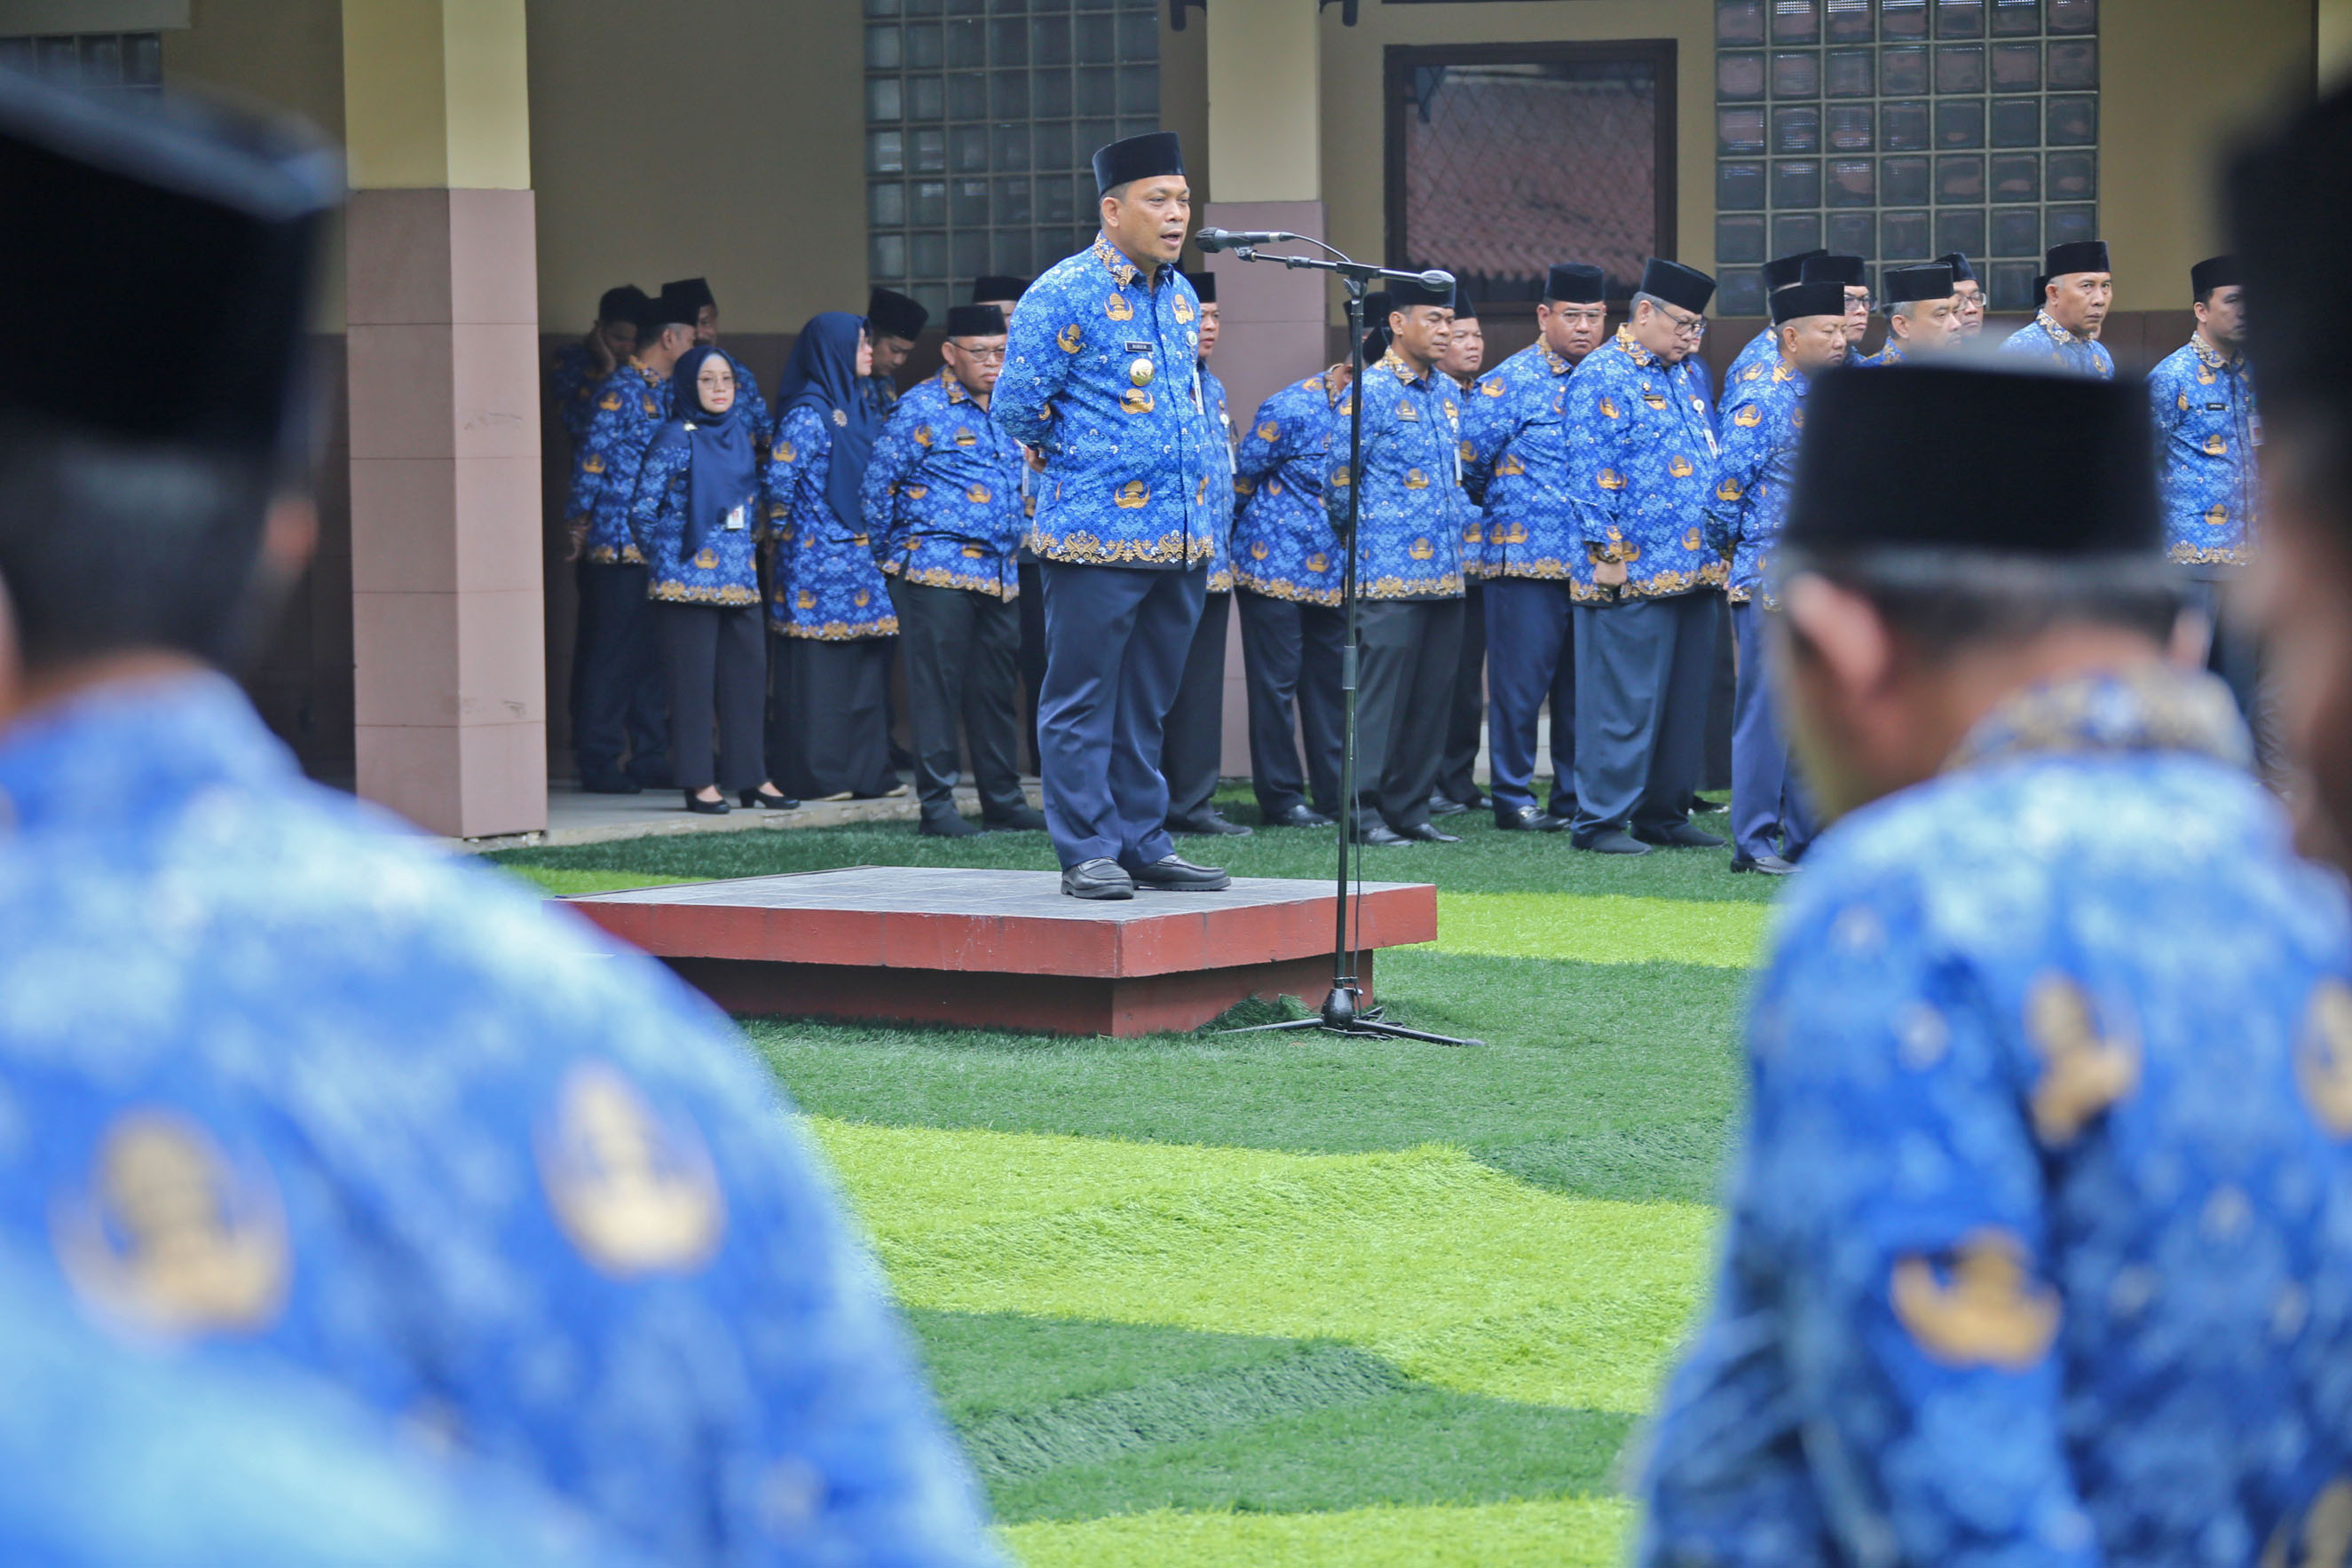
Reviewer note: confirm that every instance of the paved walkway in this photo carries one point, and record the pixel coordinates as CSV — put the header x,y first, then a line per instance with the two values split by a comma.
x,y
577,817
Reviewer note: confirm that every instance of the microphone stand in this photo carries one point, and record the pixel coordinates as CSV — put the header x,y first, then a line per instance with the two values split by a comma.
x,y
1343,1012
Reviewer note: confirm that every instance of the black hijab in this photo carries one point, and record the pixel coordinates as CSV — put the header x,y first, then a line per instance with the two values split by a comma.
x,y
723,460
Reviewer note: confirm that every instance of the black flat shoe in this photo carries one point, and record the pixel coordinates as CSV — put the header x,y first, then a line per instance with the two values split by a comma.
x,y
1381,833
1174,873
760,799
1613,842
717,807
1026,819
1299,814
947,828
1445,806
1208,824
1100,878
1768,862
1430,833
1528,820
1681,836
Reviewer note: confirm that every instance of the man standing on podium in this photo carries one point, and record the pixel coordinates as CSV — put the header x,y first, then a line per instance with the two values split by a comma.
x,y
1101,380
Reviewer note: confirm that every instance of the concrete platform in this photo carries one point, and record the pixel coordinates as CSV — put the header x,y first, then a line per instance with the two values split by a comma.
x,y
1004,948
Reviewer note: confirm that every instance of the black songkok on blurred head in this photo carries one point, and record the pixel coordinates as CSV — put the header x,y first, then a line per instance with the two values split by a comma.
x,y
1845,271
1782,271
1576,283
1404,293
626,303
1909,284
1145,157
1377,305
173,247
995,288
1204,285
1464,308
695,291
1961,271
2055,467
1685,287
893,315
667,308
2290,201
1800,299
975,321
2077,255
2215,272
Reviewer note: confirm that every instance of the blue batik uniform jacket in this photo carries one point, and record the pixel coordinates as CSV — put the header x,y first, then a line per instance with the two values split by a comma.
x,y
299,1089
2039,1233
630,412
1221,523
1514,446
1284,545
1756,359
572,381
1762,420
881,391
1099,374
1889,353
2044,339
825,584
748,398
942,492
1411,513
2208,434
1641,464
725,570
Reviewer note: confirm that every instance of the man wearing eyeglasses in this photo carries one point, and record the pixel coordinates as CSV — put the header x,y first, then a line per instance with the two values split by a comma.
x,y
1643,464
1761,352
942,504
1536,566
1848,273
2076,287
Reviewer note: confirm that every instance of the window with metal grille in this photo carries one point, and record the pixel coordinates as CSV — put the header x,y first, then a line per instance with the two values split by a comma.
x,y
981,121
113,62
1504,159
1898,130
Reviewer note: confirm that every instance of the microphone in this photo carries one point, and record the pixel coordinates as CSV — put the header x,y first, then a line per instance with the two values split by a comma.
x,y
1210,241
1434,278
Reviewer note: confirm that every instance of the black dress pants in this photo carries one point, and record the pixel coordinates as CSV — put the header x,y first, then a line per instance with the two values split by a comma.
x,y
962,650
1192,742
1410,652
840,697
1032,604
1457,775
618,692
1291,654
717,669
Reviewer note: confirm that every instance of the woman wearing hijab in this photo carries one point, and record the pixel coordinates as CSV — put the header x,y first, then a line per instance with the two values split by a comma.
x,y
694,518
828,599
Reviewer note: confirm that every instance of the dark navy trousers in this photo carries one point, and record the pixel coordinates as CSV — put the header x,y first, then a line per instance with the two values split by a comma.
x,y
1291,658
1457,775
1192,742
620,687
1530,658
1643,667
1116,640
1767,801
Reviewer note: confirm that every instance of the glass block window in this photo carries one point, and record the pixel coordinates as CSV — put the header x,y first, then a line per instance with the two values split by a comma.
x,y
1898,130
104,62
982,121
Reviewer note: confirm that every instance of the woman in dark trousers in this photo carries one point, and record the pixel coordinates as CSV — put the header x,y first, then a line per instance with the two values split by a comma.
x,y
696,519
828,601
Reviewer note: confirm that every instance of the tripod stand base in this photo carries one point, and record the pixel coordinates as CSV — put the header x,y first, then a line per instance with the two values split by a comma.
x,y
1341,1015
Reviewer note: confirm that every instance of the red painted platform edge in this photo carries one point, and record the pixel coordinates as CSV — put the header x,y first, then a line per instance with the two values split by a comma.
x,y
1077,1005
1175,943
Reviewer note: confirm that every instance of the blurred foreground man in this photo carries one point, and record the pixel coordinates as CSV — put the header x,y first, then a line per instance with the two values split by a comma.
x,y
296,1091
2037,1239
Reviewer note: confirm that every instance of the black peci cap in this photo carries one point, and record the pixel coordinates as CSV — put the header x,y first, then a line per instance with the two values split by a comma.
x,y
1800,299
2055,467
1684,286
1141,157
893,315
1845,271
975,321
626,303
668,309
695,291
1576,283
2077,255
172,247
2290,205
1961,271
994,288
1782,271
1404,293
2215,272
1909,284
2040,289
1204,285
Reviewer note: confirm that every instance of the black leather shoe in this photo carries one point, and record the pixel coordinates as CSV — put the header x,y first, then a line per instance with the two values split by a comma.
x,y
1209,824
1020,820
611,784
1445,806
947,828
1430,833
1681,836
1100,878
1174,873
1528,820
1613,842
1768,862
717,807
1380,833
1299,814
773,802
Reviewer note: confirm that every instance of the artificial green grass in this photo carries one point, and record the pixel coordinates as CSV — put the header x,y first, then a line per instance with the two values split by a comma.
x,y
1601,928
1555,1532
